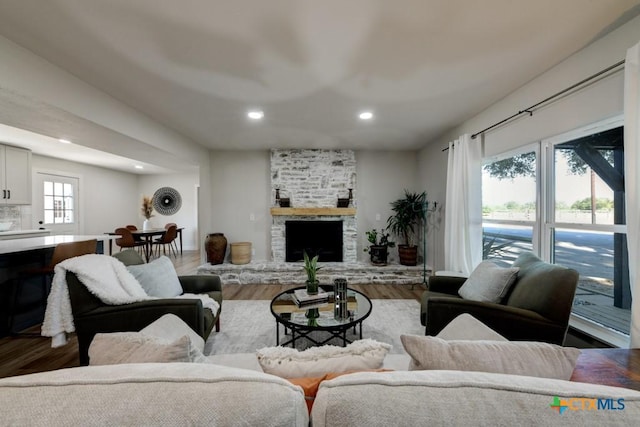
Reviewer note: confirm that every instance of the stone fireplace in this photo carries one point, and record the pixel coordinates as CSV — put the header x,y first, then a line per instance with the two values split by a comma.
x,y
313,180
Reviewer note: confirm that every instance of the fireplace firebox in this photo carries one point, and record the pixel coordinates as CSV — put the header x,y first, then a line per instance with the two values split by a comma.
x,y
322,238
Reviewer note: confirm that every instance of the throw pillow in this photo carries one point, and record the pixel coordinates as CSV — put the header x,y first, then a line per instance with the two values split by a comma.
x,y
310,385
317,361
467,327
134,347
488,283
158,278
171,327
534,359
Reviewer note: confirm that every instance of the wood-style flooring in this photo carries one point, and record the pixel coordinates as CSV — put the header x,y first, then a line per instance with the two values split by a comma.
x,y
24,355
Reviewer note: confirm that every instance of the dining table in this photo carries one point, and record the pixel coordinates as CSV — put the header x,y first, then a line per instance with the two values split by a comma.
x,y
148,235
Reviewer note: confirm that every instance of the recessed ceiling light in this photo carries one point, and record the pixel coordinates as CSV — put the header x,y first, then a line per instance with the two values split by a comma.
x,y
64,141
138,166
255,114
366,115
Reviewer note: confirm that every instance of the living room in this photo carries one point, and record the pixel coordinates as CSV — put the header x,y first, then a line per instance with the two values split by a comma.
x,y
226,186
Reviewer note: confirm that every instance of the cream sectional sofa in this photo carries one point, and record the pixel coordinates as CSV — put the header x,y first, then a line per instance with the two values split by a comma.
x,y
229,390
172,394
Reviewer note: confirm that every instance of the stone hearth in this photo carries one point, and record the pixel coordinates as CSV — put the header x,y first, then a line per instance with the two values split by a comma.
x,y
356,273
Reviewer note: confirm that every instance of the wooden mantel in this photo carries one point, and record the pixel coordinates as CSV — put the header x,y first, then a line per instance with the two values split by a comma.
x,y
313,211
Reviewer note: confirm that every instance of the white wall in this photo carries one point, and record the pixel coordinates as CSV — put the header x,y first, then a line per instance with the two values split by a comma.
x,y
598,101
241,187
108,199
187,216
382,178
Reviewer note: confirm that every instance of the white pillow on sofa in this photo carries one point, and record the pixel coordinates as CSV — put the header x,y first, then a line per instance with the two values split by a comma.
x,y
488,282
135,347
534,359
158,278
467,327
288,362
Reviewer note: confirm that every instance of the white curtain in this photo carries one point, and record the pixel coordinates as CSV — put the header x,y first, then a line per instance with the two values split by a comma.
x,y
632,180
463,209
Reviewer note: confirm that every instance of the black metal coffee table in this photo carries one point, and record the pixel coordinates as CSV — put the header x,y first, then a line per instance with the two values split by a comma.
x,y
303,321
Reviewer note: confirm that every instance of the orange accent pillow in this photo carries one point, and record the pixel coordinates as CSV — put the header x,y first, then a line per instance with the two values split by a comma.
x,y
310,385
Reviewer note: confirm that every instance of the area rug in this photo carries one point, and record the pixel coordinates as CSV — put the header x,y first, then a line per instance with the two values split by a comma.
x,y
246,326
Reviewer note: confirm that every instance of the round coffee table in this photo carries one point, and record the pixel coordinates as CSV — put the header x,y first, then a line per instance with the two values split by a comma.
x,y
303,321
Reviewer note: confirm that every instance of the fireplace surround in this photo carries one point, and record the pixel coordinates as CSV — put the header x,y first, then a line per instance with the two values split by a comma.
x,y
322,238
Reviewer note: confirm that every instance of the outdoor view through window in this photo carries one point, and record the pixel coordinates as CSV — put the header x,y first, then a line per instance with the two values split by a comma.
x,y
578,222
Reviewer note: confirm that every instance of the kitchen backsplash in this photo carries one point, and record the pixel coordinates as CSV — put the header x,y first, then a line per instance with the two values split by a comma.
x,y
17,215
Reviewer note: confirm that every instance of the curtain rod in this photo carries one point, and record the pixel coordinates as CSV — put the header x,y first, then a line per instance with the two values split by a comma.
x,y
529,110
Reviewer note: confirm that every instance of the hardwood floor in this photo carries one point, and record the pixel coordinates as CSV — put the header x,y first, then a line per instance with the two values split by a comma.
x,y
24,355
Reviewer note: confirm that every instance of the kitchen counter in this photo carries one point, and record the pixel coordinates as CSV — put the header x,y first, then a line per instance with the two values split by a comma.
x,y
23,234
43,242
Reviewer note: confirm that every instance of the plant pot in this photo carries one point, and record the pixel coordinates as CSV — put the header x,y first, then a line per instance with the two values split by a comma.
x,y
215,245
378,254
408,254
312,287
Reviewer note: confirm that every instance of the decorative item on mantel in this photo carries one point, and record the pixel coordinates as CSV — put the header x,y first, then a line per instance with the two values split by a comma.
x,y
215,244
311,267
277,196
345,203
285,202
147,211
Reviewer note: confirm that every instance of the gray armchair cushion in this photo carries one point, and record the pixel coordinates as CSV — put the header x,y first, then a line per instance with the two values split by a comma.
x,y
488,282
547,289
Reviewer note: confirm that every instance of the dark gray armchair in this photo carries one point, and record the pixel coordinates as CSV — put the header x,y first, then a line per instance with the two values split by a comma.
x,y
537,307
92,316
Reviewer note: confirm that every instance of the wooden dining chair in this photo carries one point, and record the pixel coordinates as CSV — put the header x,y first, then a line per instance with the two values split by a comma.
x,y
175,241
127,240
61,252
167,239
134,228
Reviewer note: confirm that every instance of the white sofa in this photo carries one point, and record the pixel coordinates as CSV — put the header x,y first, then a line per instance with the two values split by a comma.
x,y
228,390
172,394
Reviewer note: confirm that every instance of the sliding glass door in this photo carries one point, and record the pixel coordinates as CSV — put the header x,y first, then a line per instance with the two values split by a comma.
x,y
563,198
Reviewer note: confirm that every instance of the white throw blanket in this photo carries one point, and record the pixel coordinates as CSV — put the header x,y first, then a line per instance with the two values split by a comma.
x,y
105,277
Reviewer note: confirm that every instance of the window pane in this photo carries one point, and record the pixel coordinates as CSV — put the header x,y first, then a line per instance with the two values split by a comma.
x,y
48,217
48,202
503,243
57,188
48,188
509,188
68,190
581,198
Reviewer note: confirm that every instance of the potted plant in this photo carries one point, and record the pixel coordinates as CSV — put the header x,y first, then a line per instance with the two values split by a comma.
x,y
311,267
378,249
408,213
147,211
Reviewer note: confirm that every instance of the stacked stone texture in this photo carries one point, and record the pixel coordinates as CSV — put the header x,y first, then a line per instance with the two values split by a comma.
x,y
313,178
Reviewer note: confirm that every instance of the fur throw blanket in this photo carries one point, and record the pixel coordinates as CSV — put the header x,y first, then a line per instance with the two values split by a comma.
x,y
105,277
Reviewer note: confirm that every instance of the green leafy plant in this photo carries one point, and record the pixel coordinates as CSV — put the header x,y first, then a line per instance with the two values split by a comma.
x,y
409,212
311,267
379,239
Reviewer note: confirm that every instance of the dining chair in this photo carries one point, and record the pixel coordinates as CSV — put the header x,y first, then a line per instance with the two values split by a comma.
x,y
61,252
167,238
134,228
175,241
127,240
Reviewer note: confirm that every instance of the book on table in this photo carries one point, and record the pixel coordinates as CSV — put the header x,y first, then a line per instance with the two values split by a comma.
x,y
302,296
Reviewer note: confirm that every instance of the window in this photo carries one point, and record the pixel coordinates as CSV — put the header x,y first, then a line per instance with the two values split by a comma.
x,y
58,203
586,230
564,199
509,205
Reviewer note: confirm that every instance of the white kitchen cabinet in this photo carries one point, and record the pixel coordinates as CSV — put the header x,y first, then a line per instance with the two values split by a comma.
x,y
15,176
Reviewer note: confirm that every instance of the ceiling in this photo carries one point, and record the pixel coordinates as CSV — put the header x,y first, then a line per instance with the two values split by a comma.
x,y
422,67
